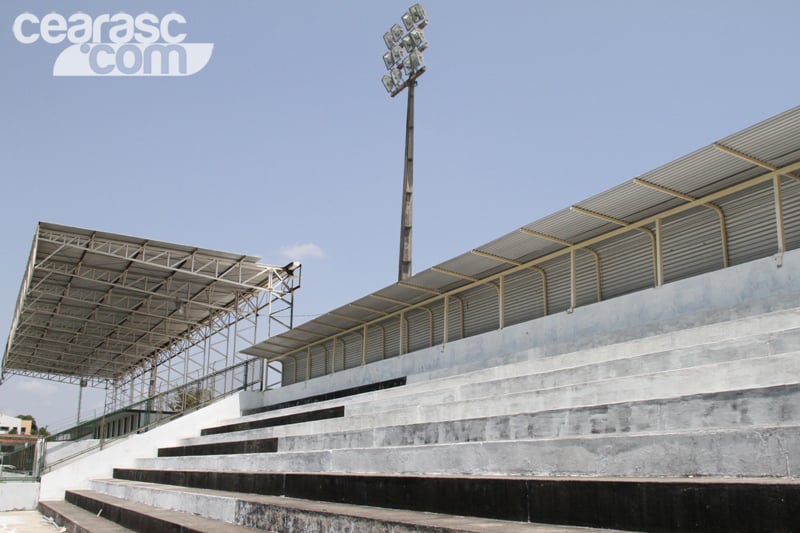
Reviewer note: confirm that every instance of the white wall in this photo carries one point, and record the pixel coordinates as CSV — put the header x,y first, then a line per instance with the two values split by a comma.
x,y
11,422
56,451
123,452
18,495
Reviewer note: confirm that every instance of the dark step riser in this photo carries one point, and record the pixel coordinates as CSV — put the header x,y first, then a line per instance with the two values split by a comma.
x,y
342,393
636,505
297,418
126,517
222,448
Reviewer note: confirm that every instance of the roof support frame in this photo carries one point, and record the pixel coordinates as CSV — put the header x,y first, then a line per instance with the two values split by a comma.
x,y
541,271
109,305
624,227
131,252
714,207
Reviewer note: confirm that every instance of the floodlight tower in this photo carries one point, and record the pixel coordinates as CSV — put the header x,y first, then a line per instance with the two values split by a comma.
x,y
404,62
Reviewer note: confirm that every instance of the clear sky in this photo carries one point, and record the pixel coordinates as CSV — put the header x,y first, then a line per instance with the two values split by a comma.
x,y
286,145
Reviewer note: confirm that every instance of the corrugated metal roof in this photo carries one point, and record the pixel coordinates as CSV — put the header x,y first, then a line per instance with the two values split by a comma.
x,y
706,171
95,305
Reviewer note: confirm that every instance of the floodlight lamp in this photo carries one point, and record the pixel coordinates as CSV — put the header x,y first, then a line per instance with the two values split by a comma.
x,y
417,13
387,83
407,43
407,66
291,267
388,39
397,32
388,60
397,54
415,59
408,20
397,76
416,37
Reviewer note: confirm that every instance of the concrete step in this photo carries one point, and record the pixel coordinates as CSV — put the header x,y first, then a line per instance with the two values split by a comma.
x,y
219,448
742,409
667,504
749,374
542,360
340,393
279,513
279,420
763,451
148,518
650,363
77,520
772,333
709,321
753,408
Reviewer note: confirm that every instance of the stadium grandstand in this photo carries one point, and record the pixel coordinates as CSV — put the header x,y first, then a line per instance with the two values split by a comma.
x,y
628,362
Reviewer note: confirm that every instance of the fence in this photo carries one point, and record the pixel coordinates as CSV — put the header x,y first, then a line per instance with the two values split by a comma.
x,y
136,418
24,464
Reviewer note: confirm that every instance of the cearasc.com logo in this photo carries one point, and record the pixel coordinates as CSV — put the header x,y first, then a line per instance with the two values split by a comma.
x,y
116,45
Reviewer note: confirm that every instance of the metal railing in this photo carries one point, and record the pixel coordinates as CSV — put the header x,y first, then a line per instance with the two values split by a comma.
x,y
24,464
151,412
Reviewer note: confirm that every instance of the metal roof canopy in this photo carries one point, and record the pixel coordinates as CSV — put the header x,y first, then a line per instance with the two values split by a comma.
x,y
758,154
98,306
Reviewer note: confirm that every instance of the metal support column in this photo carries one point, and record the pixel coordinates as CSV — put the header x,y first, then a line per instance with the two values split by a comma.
x,y
659,258
573,281
404,270
776,183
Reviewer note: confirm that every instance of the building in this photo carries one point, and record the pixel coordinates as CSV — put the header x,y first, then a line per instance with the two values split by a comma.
x,y
14,425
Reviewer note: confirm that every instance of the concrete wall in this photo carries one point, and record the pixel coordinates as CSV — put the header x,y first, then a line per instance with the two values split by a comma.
x,y
18,495
56,451
123,452
759,286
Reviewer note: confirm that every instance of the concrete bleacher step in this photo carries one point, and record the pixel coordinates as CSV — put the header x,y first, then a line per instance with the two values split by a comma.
x,y
540,360
773,371
222,448
646,363
140,517
763,451
763,407
666,504
75,519
281,420
271,509
719,323
332,395
752,408
719,342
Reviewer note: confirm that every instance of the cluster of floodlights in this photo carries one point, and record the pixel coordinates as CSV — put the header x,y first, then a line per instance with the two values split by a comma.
x,y
404,59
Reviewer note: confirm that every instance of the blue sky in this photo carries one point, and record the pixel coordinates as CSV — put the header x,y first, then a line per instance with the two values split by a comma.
x,y
286,145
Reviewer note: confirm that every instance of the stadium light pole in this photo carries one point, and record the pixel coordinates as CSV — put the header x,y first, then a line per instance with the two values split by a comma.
x,y
405,64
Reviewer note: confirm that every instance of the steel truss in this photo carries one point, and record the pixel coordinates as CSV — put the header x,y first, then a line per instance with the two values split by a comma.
x,y
140,317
